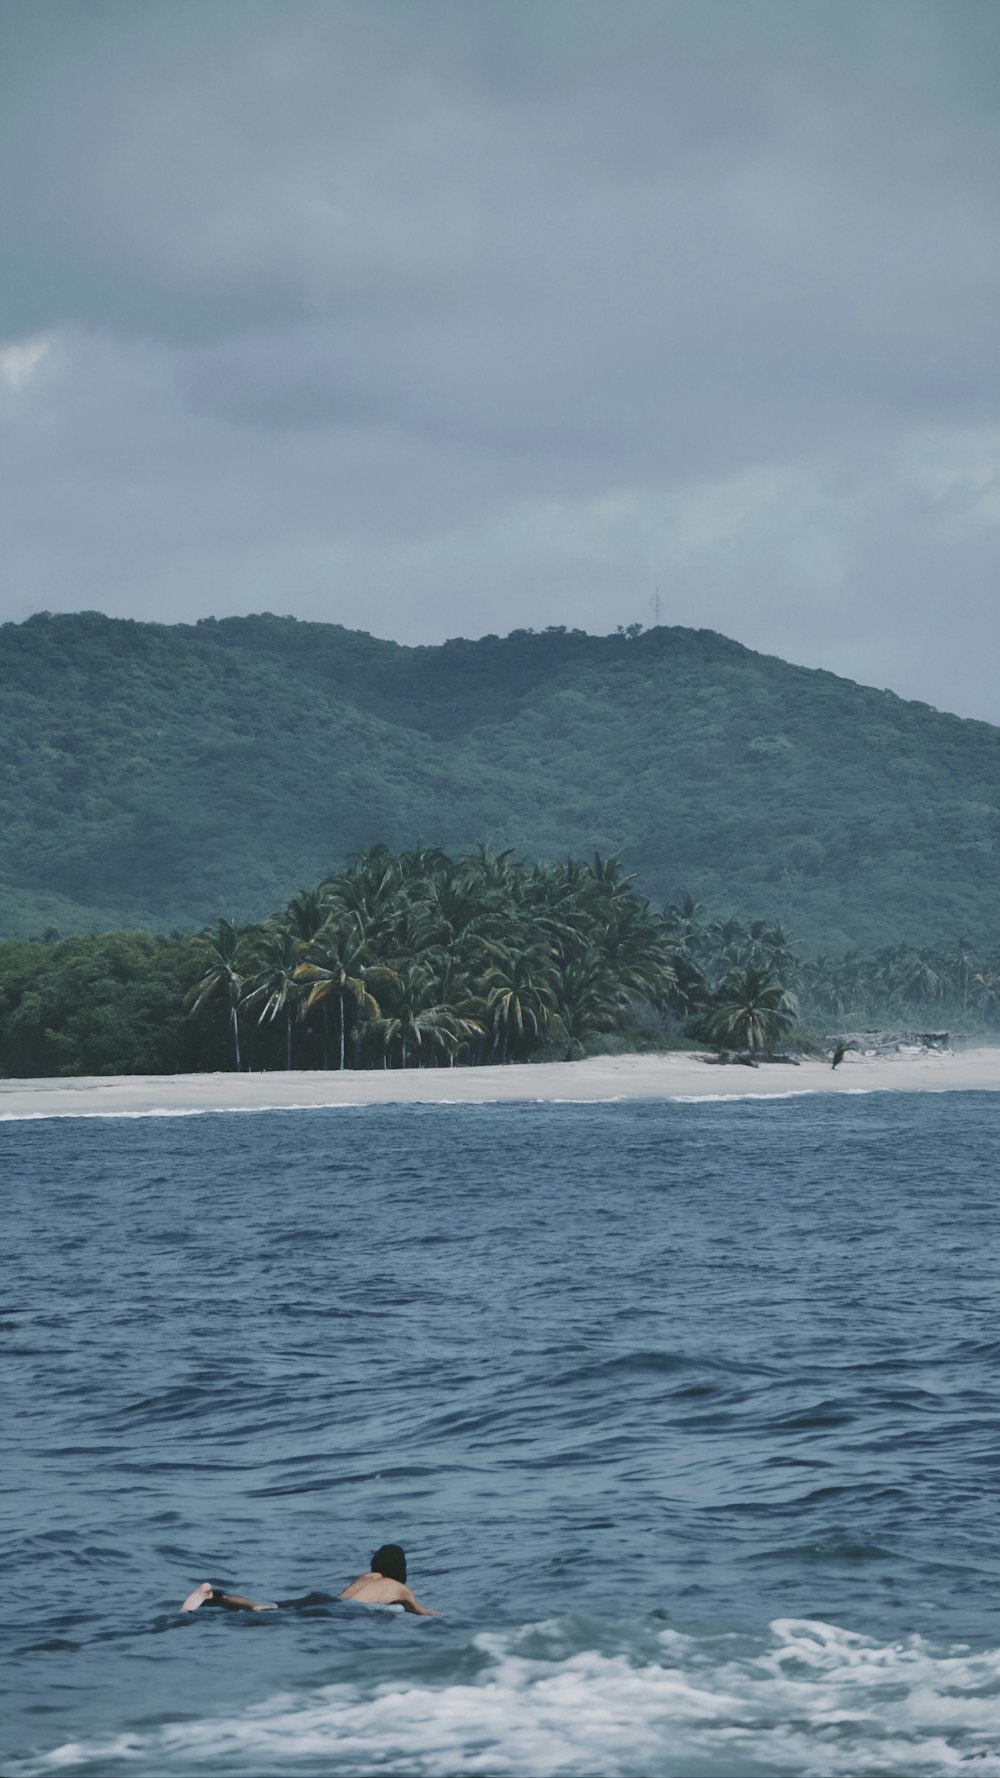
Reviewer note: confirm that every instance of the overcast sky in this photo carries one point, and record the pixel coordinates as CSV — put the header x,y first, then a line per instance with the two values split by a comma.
x,y
439,317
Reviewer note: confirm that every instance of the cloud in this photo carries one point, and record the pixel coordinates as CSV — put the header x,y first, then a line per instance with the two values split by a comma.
x,y
17,362
427,318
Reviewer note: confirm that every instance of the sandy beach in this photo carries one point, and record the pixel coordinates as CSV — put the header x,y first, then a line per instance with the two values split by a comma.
x,y
673,1076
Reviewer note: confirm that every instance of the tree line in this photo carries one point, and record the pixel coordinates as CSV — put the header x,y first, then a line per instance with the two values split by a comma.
x,y
419,959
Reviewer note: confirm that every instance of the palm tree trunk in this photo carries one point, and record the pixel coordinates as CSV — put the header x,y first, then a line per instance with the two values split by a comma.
x,y
288,1047
343,1021
236,1038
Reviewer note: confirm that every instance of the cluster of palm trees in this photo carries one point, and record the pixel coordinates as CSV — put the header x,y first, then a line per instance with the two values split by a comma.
x,y
901,983
419,959
959,982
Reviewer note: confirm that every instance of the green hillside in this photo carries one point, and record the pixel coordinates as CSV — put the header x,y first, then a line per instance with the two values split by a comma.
x,y
155,775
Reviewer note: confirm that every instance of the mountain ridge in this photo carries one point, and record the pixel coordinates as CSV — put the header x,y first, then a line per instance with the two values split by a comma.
x,y
158,775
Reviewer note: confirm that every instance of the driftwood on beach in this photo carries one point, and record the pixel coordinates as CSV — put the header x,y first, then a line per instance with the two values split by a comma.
x,y
892,1043
748,1058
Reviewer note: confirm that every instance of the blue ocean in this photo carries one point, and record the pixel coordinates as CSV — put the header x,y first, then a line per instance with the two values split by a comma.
x,y
685,1413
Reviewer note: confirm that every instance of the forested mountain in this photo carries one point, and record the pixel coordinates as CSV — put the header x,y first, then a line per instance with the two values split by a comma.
x,y
155,775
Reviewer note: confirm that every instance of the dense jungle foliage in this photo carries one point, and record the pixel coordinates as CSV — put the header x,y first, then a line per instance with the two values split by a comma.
x,y
419,959
153,775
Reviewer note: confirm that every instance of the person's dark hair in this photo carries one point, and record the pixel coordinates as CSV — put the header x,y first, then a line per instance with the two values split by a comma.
x,y
390,1560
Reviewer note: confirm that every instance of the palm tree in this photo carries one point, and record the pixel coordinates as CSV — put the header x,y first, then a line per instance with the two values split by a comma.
x,y
771,946
584,1002
421,864
418,1020
690,990
853,980
494,870
963,963
917,979
369,889
305,916
275,984
339,964
829,984
686,921
752,1011
456,905
640,959
224,956
986,990
608,873
730,942
518,990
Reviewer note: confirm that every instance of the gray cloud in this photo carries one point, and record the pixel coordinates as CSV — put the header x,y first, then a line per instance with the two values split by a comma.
x,y
442,319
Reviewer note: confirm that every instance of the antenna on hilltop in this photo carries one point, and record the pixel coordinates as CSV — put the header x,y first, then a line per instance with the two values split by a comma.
x,y
655,606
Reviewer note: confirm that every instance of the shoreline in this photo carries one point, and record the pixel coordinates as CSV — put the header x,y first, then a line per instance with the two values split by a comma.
x,y
599,1078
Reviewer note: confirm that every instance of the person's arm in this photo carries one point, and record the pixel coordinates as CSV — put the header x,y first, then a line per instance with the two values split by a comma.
x,y
410,1602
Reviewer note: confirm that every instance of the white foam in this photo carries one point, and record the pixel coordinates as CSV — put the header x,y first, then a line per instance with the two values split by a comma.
x,y
29,1117
806,1698
607,1099
725,1098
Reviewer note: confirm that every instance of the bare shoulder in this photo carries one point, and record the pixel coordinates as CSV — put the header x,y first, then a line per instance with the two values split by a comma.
x,y
377,1589
361,1581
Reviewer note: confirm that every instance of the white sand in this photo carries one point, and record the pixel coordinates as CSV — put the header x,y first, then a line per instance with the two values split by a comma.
x,y
601,1078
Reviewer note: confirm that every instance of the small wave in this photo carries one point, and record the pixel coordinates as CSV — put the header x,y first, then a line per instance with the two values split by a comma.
x,y
805,1696
591,1099
726,1098
831,1548
652,1362
31,1117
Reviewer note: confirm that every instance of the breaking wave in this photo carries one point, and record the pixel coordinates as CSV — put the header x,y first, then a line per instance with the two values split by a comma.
x,y
806,1697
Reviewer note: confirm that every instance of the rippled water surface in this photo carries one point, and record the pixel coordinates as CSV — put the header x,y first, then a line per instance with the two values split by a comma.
x,y
685,1413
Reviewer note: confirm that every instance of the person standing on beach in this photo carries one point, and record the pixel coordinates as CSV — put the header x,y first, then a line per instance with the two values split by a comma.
x,y
383,1584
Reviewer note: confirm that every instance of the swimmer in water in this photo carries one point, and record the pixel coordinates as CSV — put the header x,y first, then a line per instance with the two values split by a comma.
x,y
384,1584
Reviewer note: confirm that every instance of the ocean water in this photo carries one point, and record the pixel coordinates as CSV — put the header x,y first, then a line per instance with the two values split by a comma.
x,y
685,1413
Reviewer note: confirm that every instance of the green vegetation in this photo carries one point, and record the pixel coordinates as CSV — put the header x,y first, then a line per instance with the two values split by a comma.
x,y
110,1004
419,959
752,1010
155,776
